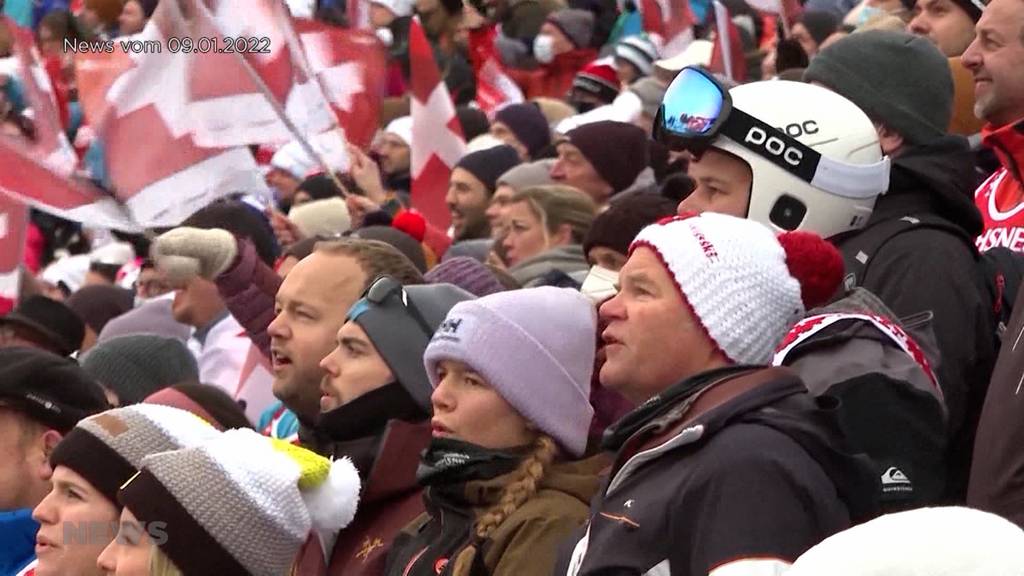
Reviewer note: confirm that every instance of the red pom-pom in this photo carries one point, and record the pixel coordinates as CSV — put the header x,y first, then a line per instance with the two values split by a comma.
x,y
412,223
815,263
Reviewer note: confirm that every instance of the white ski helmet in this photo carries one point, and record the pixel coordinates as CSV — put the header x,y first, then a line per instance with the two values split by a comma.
x,y
780,129
830,125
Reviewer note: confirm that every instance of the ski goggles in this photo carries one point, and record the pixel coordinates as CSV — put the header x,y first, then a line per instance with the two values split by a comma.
x,y
381,290
697,109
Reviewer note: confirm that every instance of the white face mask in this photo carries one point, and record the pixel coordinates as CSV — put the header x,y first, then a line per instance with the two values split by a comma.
x,y
544,48
600,284
386,36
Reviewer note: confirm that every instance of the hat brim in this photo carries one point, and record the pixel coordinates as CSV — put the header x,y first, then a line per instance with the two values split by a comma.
x,y
50,336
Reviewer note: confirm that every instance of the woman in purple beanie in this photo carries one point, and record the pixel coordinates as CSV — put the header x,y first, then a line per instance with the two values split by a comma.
x,y
503,486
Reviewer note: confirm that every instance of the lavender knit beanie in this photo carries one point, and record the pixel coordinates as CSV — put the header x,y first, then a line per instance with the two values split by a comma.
x,y
535,347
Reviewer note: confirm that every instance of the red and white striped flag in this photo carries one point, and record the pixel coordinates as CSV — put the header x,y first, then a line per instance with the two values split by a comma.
x,y
437,140
13,224
727,57
40,172
670,20
494,87
350,66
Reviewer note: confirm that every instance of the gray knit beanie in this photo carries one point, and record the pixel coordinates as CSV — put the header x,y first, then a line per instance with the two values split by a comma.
x,y
134,367
577,25
107,449
900,80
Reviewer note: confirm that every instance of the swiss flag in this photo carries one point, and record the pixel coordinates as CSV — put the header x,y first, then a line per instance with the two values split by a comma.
x,y
143,107
238,98
437,141
13,226
494,87
671,20
39,172
350,67
727,57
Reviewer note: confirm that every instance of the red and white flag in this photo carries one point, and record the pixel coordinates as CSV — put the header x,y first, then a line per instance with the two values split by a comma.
x,y
39,172
670,20
172,124
13,225
236,96
727,57
494,87
437,140
350,67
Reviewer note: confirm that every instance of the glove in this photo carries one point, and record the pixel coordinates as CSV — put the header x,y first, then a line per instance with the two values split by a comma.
x,y
184,253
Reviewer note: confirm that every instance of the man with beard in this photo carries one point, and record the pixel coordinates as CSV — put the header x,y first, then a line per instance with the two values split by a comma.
x,y
472,183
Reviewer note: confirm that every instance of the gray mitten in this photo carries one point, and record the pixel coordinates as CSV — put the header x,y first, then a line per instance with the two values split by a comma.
x,y
184,253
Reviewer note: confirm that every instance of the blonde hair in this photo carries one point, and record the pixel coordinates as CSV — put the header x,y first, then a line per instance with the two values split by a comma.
x,y
161,565
520,488
556,205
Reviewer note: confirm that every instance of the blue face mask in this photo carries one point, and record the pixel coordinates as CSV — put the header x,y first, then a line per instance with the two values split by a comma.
x,y
868,13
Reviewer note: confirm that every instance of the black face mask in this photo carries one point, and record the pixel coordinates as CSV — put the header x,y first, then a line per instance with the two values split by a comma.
x,y
448,461
583,107
368,414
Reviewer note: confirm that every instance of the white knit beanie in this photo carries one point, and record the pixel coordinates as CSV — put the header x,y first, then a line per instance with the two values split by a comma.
x,y
923,542
745,285
328,217
397,7
292,159
401,127
241,503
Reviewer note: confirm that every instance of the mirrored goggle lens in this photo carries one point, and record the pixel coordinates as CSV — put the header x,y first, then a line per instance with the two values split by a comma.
x,y
692,104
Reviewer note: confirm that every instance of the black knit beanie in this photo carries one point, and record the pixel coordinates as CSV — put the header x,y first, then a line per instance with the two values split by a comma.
x,y
616,227
488,165
916,98
820,25
618,151
528,124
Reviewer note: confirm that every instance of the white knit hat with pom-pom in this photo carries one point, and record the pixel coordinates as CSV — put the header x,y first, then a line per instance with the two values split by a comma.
x,y
241,503
745,285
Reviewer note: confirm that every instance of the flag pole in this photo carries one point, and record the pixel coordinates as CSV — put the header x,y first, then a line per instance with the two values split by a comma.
x,y
283,115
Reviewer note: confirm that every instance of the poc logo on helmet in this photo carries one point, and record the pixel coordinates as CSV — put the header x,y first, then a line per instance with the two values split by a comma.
x,y
774,145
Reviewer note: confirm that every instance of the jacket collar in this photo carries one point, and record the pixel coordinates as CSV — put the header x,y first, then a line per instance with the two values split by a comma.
x,y
1008,144
394,469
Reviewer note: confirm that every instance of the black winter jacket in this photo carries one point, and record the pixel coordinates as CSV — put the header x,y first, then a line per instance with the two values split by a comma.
x,y
929,269
733,465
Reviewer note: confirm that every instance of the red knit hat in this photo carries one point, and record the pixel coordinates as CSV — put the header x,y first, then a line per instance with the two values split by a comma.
x,y
598,79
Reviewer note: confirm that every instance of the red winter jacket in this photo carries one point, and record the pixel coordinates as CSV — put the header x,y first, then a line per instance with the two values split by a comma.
x,y
1000,199
555,79
249,288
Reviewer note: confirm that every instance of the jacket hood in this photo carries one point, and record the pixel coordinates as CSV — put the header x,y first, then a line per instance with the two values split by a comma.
x,y
937,177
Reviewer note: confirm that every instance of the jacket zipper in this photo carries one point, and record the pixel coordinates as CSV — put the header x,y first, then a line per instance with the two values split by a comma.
x,y
416,557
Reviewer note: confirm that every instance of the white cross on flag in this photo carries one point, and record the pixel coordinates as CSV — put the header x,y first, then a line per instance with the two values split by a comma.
x,y
350,65
437,141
